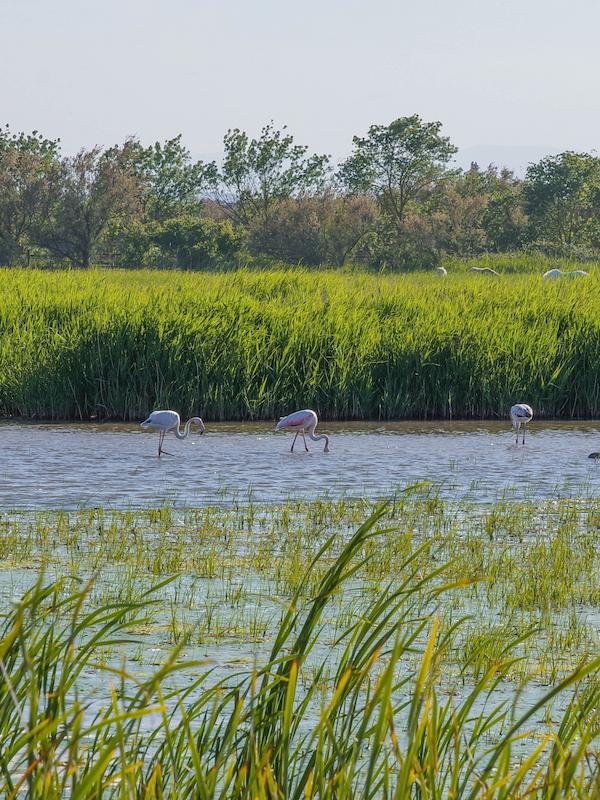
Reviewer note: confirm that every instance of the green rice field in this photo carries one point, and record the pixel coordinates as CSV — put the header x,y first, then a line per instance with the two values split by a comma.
x,y
253,345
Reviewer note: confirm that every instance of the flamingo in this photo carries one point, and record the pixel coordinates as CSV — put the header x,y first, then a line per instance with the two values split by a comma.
x,y
520,414
298,422
165,421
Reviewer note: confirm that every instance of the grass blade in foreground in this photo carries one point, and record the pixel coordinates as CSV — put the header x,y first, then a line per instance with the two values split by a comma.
x,y
381,730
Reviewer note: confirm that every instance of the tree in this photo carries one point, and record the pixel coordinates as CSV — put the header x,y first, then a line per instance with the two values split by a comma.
x,y
397,163
87,193
349,228
26,161
562,196
195,243
258,173
27,143
172,183
505,222
476,210
314,230
183,242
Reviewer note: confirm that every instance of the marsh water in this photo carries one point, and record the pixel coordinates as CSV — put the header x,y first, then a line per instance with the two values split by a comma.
x,y
69,466
73,465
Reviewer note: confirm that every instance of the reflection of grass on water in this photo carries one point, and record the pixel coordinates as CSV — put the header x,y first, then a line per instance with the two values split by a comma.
x,y
375,651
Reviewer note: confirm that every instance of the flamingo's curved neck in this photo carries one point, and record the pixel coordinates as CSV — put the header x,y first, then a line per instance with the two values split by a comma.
x,y
311,435
186,430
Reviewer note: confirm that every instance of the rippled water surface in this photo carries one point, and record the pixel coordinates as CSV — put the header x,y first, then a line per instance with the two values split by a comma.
x,y
70,465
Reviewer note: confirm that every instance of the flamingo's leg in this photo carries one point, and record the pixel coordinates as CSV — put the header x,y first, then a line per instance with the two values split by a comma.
x,y
294,442
161,439
166,452
304,437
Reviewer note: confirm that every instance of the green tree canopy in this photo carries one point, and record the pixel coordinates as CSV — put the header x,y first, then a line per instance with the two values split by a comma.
x,y
258,173
26,160
184,242
88,192
562,195
172,183
397,162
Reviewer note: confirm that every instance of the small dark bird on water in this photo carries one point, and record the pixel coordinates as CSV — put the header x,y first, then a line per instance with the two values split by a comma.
x,y
594,455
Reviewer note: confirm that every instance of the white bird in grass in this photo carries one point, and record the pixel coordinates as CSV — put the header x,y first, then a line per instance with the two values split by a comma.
x,y
520,414
165,421
553,274
300,421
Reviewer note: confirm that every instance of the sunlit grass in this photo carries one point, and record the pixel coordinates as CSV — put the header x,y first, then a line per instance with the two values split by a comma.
x,y
253,345
365,713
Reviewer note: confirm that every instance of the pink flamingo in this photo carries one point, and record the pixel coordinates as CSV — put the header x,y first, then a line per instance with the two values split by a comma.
x,y
520,414
300,421
165,421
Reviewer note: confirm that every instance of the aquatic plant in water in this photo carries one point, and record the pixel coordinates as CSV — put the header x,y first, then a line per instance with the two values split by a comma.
x,y
382,729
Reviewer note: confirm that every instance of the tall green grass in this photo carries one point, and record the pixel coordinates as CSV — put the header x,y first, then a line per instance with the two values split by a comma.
x,y
519,262
383,730
254,345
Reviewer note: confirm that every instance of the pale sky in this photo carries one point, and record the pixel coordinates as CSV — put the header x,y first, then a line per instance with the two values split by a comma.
x,y
503,76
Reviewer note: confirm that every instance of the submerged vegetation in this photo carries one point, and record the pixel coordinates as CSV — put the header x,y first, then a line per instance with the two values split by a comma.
x,y
524,565
254,345
290,651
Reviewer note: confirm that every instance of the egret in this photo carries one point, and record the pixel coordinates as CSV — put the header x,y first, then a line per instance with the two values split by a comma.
x,y
520,414
300,421
165,421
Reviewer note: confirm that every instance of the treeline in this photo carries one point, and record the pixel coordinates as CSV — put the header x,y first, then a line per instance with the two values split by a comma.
x,y
396,202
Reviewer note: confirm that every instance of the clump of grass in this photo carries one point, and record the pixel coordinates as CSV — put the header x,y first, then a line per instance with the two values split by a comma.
x,y
250,345
371,723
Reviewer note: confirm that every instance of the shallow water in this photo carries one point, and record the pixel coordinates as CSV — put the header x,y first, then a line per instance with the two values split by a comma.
x,y
72,465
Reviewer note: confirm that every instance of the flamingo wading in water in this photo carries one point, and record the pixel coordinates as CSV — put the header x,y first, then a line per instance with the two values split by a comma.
x,y
165,421
520,414
300,421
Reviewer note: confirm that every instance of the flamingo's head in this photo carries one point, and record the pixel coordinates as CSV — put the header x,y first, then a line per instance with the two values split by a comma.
x,y
197,421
